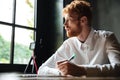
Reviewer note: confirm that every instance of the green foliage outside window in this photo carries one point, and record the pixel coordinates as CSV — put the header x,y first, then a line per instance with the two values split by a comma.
x,y
21,51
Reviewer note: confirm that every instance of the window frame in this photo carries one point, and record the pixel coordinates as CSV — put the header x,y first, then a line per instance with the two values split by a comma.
x,y
14,25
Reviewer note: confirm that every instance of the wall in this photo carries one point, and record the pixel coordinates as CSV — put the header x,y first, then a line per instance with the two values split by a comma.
x,y
108,15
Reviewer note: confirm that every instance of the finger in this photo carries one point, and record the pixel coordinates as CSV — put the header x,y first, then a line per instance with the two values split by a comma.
x,y
61,62
61,66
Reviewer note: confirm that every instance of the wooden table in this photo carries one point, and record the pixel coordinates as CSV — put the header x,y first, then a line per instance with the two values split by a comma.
x,y
34,77
16,76
70,78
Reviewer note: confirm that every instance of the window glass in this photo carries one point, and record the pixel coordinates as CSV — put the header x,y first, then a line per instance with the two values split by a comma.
x,y
23,38
6,9
5,42
25,12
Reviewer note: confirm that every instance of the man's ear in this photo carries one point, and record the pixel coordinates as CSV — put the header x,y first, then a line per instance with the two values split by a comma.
x,y
84,19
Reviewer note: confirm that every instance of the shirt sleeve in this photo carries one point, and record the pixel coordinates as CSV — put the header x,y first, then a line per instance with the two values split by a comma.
x,y
113,49
48,68
113,52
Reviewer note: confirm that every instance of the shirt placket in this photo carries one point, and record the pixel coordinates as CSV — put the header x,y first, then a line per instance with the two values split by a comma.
x,y
85,49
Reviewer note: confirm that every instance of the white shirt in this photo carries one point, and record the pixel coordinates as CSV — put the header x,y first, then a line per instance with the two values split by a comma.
x,y
100,52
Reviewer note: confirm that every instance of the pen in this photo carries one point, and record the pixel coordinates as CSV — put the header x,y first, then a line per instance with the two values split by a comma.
x,y
72,57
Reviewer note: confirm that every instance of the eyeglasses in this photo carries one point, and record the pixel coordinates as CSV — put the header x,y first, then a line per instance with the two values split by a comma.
x,y
70,19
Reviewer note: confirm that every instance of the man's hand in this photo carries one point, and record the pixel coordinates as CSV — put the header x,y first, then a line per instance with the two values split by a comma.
x,y
68,68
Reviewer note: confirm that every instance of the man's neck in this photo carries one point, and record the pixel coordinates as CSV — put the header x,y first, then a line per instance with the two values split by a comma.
x,y
84,34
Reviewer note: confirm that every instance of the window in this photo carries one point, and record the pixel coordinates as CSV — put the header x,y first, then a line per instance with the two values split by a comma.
x,y
17,30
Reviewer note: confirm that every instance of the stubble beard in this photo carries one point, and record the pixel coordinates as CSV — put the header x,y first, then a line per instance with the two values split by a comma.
x,y
72,34
75,32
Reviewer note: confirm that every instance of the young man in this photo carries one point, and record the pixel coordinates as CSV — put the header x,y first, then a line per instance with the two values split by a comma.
x,y
97,53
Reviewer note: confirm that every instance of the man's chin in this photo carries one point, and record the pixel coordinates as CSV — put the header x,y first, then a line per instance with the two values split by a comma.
x,y
71,34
